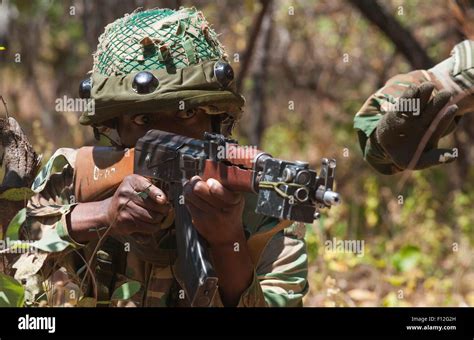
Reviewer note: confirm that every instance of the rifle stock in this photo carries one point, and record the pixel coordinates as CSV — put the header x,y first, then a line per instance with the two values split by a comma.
x,y
100,170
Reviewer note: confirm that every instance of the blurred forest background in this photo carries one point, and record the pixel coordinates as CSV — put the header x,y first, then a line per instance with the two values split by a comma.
x,y
305,68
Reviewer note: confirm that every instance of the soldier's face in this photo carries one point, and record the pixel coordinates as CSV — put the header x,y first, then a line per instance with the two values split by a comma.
x,y
187,123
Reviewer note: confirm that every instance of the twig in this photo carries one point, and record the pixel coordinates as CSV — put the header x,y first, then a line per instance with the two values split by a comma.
x,y
6,108
252,41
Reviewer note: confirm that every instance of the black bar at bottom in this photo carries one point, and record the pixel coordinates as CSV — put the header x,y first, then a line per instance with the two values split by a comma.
x,y
452,323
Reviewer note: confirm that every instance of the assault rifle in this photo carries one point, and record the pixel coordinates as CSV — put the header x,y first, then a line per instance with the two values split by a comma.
x,y
286,190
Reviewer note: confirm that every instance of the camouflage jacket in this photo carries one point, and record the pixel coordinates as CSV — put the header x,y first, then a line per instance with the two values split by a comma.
x,y
455,74
279,276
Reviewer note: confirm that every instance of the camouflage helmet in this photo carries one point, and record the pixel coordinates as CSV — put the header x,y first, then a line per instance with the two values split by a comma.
x,y
157,60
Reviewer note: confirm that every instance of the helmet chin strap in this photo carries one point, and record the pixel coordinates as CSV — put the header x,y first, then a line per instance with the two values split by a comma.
x,y
109,133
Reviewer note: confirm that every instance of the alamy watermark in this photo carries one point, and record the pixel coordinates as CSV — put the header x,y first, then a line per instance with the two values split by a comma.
x,y
47,323
405,105
345,246
233,151
8,246
69,104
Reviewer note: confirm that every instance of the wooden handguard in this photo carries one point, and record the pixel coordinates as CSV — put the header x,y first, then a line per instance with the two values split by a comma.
x,y
230,176
100,170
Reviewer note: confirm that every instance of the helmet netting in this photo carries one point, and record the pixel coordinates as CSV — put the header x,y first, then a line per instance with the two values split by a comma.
x,y
156,39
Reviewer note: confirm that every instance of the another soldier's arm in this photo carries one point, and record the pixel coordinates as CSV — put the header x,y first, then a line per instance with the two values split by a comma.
x,y
456,75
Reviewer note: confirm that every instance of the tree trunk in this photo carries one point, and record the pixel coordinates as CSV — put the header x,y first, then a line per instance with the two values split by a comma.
x,y
260,76
21,165
402,38
251,43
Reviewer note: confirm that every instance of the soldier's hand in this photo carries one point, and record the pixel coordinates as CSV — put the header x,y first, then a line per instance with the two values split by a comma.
x,y
215,210
136,207
399,132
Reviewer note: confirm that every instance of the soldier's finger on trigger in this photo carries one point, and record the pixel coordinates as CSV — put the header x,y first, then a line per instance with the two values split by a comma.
x,y
222,193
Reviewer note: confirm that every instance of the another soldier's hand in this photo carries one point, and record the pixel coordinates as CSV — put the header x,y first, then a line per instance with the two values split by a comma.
x,y
137,207
215,210
400,131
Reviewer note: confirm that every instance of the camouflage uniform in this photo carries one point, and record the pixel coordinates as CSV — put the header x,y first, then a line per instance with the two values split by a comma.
x,y
280,275
455,74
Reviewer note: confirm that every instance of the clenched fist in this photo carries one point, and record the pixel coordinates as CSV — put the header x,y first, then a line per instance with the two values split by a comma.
x,y
400,132
136,207
215,210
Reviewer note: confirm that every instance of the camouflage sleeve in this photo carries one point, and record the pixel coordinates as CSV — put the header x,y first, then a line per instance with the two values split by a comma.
x,y
455,74
47,210
280,277
43,224
283,268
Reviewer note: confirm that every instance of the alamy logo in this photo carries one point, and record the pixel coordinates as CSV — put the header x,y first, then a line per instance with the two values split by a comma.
x,y
233,151
8,246
345,246
37,323
406,105
67,104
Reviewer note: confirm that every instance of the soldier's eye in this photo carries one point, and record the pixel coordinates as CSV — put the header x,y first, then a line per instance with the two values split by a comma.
x,y
142,119
186,114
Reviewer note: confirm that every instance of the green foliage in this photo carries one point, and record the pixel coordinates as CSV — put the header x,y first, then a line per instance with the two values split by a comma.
x,y
50,242
12,293
126,291
283,138
406,258
17,194
13,229
408,244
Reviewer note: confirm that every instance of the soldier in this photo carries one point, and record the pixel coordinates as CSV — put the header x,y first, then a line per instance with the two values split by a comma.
x,y
156,69
393,122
